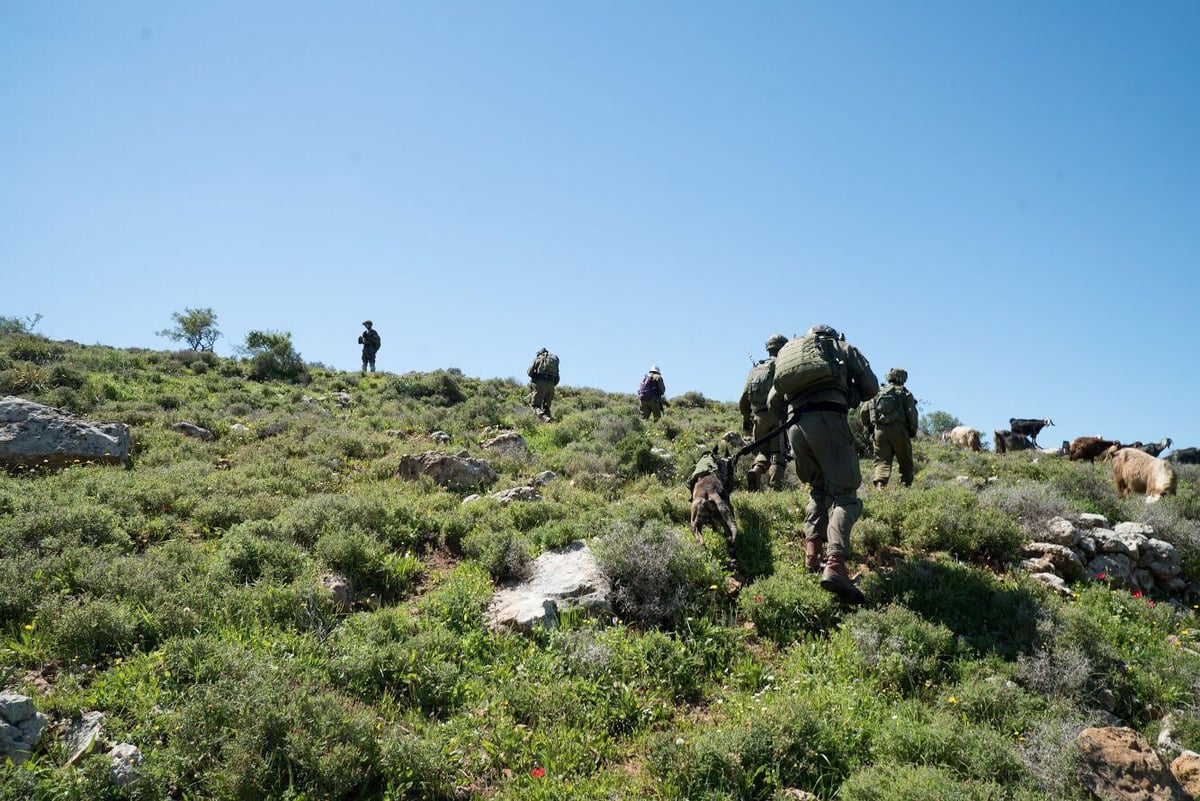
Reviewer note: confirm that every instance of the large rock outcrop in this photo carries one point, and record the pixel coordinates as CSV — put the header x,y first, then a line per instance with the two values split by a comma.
x,y
1119,763
21,727
37,436
452,471
562,579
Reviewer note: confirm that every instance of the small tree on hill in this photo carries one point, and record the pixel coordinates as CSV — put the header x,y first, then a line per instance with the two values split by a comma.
x,y
936,423
272,356
197,327
19,325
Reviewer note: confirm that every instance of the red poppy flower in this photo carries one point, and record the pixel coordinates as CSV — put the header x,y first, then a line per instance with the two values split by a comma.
x,y
1136,593
538,772
1102,576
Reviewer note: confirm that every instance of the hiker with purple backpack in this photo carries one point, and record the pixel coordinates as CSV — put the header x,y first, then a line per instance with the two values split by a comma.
x,y
652,394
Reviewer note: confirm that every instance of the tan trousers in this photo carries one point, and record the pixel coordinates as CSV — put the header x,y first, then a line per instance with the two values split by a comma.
x,y
893,442
825,460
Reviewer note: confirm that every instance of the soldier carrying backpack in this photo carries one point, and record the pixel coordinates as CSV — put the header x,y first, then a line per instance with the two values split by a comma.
x,y
758,420
892,416
652,394
819,377
543,378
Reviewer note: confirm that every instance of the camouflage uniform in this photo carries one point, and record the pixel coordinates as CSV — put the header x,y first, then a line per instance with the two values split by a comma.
x,y
823,448
652,403
759,420
370,341
542,382
893,439
706,464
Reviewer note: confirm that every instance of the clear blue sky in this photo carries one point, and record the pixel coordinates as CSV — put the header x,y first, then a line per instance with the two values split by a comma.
x,y
1000,197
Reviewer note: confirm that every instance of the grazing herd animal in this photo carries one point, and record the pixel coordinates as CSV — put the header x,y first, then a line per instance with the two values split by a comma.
x,y
1185,456
1025,427
1154,448
964,437
1138,471
1011,441
1089,448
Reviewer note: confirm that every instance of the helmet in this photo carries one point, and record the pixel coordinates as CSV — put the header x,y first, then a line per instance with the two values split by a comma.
x,y
366,322
654,369
897,375
822,328
775,342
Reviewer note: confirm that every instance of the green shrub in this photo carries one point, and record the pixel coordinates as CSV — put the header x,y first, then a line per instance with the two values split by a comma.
x,y
653,574
901,650
784,607
459,602
504,554
273,357
915,783
368,565
439,387
950,518
917,736
245,557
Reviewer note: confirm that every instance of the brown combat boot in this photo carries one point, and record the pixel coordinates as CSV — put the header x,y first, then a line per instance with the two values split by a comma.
x,y
812,556
836,579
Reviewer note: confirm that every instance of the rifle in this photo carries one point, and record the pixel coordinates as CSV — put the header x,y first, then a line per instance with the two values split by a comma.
x,y
786,424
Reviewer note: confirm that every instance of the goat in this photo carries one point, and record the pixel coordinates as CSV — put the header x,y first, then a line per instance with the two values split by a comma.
x,y
964,437
1026,427
710,500
1089,448
1138,471
1009,441
1154,448
1185,456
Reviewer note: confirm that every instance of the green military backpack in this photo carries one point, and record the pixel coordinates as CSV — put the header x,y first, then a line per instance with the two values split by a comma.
x,y
547,365
810,363
888,408
758,383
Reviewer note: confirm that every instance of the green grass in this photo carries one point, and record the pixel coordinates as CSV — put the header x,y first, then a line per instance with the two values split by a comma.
x,y
183,598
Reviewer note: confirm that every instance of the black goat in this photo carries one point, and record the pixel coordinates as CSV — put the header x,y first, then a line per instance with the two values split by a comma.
x,y
1185,456
1025,427
1009,441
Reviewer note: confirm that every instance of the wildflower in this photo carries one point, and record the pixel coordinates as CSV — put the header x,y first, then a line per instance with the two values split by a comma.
x,y
758,599
1101,576
538,772
1136,593
953,700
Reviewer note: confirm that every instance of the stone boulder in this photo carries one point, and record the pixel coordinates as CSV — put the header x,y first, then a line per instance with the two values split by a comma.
x,y
83,734
1186,769
567,578
1061,531
1088,520
454,472
517,494
1119,763
508,443
341,593
1064,561
193,430
21,727
126,759
33,435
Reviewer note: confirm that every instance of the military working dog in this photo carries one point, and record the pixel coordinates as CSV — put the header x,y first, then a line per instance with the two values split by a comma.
x,y
710,500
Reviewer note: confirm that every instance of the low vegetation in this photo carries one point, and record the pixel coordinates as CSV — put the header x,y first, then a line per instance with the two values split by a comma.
x,y
184,599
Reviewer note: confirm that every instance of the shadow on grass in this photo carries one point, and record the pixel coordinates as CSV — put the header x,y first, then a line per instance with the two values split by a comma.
x,y
991,616
752,550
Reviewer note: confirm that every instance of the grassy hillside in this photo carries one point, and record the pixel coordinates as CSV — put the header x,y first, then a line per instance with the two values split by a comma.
x,y
183,598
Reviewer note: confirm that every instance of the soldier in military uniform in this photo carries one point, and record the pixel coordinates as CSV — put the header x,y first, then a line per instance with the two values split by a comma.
x,y
823,448
892,414
369,339
758,420
543,378
652,394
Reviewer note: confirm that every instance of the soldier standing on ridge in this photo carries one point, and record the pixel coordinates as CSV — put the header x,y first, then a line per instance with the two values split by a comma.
x,y
820,376
543,377
758,420
370,341
652,394
893,416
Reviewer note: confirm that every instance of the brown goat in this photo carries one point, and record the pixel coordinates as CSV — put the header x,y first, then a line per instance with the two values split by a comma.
x,y
1089,448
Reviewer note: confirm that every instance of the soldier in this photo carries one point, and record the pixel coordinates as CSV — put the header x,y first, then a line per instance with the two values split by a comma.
x,y
893,416
370,341
543,377
820,377
758,420
652,394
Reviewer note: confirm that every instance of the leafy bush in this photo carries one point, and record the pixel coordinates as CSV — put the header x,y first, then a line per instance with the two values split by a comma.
x,y
784,607
504,554
1030,504
367,564
902,650
273,357
654,575
950,518
915,783
439,387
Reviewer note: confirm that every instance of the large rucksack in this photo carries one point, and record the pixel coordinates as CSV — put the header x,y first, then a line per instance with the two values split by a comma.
x,y
547,365
810,363
888,407
648,388
758,383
